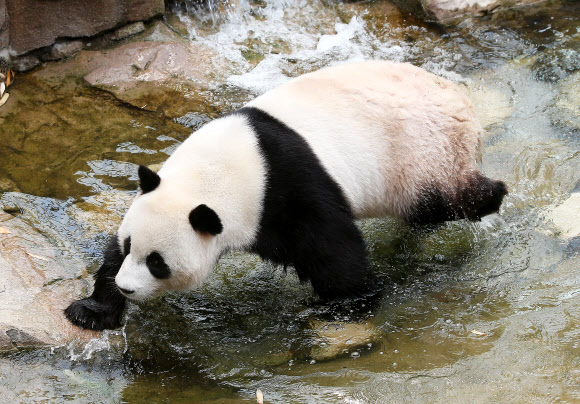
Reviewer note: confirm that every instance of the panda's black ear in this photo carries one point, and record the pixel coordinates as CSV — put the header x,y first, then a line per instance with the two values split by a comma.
x,y
148,179
204,220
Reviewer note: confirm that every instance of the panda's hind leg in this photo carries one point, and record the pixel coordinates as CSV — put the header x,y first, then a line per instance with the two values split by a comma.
x,y
477,196
104,308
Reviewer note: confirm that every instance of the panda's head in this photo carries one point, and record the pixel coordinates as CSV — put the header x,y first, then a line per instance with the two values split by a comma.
x,y
169,242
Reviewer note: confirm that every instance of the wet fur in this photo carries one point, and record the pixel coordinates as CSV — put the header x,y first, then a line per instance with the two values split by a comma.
x,y
306,221
104,308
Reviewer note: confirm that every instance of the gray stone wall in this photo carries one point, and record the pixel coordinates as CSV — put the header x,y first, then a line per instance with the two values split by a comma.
x,y
35,24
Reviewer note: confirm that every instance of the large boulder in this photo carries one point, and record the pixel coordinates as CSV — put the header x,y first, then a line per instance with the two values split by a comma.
x,y
35,289
35,24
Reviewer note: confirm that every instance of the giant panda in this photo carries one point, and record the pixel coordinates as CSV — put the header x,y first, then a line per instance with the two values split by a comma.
x,y
287,175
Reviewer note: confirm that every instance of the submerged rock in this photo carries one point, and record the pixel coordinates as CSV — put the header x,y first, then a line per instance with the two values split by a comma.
x,y
102,212
337,339
35,289
566,217
556,64
567,106
492,106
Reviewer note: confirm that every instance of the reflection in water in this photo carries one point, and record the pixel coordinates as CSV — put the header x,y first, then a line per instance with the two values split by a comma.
x,y
508,278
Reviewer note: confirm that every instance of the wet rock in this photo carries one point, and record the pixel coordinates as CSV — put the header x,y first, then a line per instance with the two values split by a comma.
x,y
26,62
447,10
567,107
36,23
556,64
103,212
64,49
176,24
35,289
128,30
492,106
566,217
164,77
336,339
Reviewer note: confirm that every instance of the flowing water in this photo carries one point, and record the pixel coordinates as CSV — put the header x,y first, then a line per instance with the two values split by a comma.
x,y
471,312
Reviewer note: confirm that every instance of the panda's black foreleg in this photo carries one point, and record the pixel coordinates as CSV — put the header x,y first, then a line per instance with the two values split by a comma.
x,y
104,308
334,258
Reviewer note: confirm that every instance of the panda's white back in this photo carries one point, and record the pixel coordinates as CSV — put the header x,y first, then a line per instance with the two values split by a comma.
x,y
382,130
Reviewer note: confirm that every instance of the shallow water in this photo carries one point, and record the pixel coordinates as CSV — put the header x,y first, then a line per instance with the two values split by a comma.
x,y
510,278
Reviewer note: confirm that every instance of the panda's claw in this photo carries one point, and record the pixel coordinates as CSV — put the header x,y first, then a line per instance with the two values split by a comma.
x,y
92,315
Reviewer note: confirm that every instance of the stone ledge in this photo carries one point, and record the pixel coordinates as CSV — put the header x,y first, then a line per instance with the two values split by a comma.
x,y
35,290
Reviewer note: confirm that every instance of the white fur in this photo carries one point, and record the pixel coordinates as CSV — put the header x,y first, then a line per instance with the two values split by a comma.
x,y
382,130
219,166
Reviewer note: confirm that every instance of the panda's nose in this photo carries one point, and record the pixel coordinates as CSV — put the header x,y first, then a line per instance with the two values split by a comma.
x,y
126,291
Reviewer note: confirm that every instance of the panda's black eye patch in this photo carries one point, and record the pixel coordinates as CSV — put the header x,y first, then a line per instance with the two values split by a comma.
x,y
157,266
127,246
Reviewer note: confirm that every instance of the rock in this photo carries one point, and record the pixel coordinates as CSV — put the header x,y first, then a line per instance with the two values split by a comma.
x,y
164,77
337,339
556,64
4,32
566,217
25,63
35,290
37,23
566,110
128,30
64,50
103,212
491,105
52,109
150,62
447,10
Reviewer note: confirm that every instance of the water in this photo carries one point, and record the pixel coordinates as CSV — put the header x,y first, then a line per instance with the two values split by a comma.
x,y
471,312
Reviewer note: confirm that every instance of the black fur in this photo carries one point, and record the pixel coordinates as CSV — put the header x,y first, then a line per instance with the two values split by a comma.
x,y
148,179
306,221
478,197
157,266
204,219
103,310
127,246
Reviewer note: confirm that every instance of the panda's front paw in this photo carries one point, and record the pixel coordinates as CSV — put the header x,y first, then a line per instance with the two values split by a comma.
x,y
90,314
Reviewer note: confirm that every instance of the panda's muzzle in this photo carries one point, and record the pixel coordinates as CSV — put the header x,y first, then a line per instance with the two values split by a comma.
x,y
126,291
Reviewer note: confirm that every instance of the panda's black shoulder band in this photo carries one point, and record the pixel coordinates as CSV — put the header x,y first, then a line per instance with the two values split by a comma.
x,y
306,220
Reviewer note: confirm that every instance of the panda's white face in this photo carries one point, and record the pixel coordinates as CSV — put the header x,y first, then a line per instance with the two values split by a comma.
x,y
167,245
